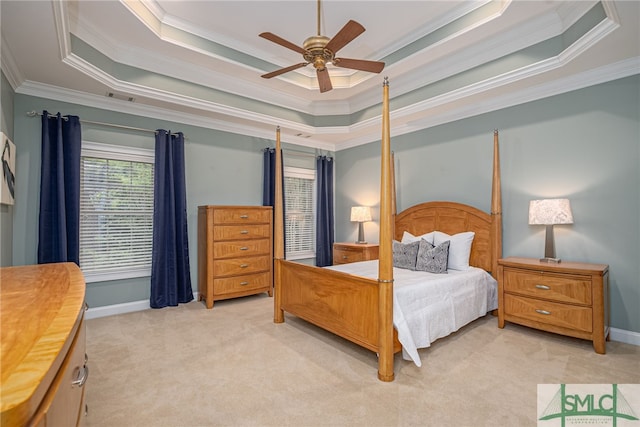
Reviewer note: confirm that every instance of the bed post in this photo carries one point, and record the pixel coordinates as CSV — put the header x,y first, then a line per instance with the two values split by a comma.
x,y
394,202
278,225
385,263
496,209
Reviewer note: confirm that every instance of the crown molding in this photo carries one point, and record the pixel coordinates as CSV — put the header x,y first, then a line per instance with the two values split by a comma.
x,y
368,130
9,67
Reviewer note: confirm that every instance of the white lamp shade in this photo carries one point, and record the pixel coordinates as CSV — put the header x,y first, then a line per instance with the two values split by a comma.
x,y
550,212
361,213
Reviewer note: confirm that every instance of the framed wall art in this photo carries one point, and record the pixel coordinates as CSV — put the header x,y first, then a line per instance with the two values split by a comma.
x,y
8,185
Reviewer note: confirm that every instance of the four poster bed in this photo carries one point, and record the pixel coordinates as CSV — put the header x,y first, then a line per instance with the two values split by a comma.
x,y
367,310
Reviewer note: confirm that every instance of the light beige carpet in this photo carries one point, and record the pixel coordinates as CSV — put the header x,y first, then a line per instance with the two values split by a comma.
x,y
232,366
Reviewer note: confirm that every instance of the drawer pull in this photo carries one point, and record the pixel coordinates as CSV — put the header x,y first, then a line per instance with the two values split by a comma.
x,y
244,216
244,283
544,287
244,232
344,257
83,374
244,265
545,312
244,248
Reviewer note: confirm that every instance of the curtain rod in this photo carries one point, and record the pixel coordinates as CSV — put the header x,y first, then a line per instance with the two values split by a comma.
x,y
298,153
35,113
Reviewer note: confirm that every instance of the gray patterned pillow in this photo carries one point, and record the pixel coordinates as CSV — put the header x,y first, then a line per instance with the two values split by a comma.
x,y
405,254
432,258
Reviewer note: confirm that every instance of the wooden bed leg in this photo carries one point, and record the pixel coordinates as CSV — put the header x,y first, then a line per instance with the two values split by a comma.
x,y
278,313
385,355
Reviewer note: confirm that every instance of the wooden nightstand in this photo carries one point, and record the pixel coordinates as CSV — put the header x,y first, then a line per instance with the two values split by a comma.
x,y
344,253
568,298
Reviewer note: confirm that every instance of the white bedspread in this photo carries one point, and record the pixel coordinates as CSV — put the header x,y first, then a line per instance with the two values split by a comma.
x,y
429,306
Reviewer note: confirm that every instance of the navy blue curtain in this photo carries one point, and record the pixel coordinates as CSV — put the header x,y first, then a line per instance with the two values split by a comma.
x,y
269,185
170,274
59,218
324,211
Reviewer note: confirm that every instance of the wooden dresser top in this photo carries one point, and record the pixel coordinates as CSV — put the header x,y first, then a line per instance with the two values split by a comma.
x,y
41,310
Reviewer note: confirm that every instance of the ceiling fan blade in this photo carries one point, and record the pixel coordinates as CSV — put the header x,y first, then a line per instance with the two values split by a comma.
x,y
284,70
282,42
350,31
359,64
324,81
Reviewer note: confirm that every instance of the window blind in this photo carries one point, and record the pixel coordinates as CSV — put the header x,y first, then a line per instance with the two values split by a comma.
x,y
299,213
116,216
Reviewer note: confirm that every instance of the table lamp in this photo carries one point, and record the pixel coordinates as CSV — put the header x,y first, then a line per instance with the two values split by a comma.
x,y
550,212
360,214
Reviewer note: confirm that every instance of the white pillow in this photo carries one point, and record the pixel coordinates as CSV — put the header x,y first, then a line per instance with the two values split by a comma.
x,y
408,237
459,248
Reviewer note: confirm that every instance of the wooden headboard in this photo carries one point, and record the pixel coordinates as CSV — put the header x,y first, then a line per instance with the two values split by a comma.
x,y
451,218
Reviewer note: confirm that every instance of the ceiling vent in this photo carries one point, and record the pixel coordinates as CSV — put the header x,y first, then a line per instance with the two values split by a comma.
x,y
120,96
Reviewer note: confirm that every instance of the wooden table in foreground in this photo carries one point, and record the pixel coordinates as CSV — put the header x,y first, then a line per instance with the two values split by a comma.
x,y
43,345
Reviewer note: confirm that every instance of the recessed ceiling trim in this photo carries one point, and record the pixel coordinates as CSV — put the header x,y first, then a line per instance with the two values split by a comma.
x,y
61,23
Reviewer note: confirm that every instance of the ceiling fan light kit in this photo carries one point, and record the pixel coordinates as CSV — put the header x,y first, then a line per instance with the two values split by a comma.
x,y
320,50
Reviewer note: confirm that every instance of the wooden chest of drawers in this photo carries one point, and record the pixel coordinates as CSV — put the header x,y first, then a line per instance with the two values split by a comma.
x,y
567,298
234,252
344,253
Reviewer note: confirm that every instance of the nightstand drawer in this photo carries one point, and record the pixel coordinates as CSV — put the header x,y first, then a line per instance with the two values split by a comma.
x,y
572,289
343,256
344,253
562,315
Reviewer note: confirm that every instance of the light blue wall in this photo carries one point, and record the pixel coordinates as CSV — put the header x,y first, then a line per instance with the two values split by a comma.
x,y
6,211
584,145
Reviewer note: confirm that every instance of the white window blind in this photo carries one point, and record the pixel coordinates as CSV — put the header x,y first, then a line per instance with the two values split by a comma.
x,y
299,211
116,212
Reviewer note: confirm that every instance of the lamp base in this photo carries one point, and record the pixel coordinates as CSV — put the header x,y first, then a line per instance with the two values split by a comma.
x,y
360,240
550,260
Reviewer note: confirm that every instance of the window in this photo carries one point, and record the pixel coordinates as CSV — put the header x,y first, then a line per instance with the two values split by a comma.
x,y
299,211
116,211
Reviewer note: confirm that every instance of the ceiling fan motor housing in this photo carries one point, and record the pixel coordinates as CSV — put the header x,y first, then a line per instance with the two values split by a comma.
x,y
316,53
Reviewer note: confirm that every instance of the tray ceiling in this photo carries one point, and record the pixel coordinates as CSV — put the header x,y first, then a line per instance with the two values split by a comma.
x,y
199,62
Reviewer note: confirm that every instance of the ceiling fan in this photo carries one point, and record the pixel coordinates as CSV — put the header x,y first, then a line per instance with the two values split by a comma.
x,y
320,50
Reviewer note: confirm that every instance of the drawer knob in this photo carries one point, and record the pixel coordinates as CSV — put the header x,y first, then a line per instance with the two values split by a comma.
x,y
244,232
244,248
244,283
244,216
344,257
545,312
244,265
544,287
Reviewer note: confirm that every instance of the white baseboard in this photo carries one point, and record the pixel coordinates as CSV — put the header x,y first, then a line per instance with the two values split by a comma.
x,y
127,307
621,335
615,334
112,310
